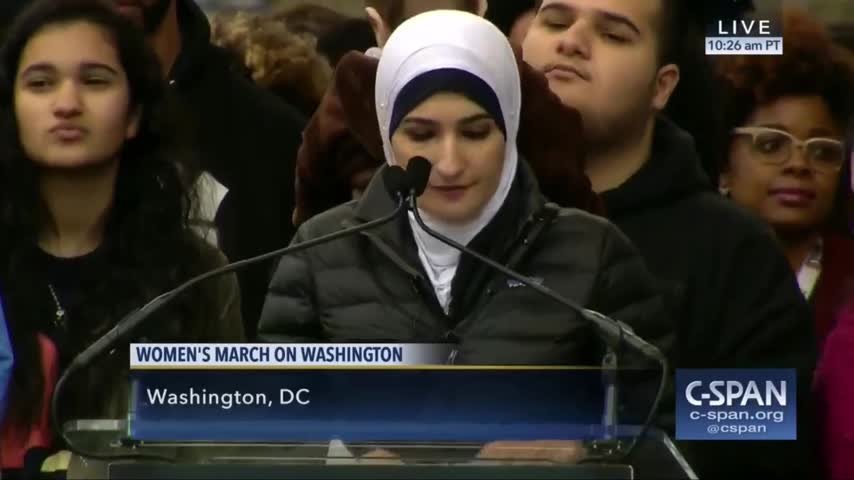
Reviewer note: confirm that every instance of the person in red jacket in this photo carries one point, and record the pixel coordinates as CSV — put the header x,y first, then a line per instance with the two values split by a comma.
x,y
834,386
21,442
834,382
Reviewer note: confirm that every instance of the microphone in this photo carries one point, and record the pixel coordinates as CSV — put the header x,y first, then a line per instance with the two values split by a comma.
x,y
396,183
613,332
418,175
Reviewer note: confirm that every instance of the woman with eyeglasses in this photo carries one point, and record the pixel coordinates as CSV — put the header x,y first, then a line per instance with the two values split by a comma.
x,y
786,159
787,162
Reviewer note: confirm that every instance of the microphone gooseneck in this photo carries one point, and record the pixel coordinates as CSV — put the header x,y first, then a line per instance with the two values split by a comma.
x,y
395,181
613,332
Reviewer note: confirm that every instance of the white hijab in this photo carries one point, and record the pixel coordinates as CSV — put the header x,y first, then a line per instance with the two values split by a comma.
x,y
443,39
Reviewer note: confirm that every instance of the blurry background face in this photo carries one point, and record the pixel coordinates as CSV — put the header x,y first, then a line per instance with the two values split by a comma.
x,y
466,148
71,97
148,14
600,57
794,196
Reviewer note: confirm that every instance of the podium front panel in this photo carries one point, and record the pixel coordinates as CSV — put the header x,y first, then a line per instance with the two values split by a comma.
x,y
655,458
343,472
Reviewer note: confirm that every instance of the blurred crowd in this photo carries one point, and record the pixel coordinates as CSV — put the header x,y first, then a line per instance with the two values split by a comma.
x,y
146,142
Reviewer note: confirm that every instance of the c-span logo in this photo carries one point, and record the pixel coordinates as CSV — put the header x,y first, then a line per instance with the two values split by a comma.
x,y
736,404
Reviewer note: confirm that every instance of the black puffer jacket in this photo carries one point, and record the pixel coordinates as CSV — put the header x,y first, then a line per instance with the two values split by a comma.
x,y
371,287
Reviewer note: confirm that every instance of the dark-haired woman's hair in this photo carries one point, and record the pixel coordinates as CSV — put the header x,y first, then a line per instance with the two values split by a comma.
x,y
395,12
146,246
811,64
354,34
307,18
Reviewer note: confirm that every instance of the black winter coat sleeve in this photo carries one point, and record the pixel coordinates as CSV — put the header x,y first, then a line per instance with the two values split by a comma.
x,y
626,291
767,324
290,314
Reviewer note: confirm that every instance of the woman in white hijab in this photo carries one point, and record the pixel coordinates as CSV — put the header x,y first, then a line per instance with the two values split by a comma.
x,y
447,89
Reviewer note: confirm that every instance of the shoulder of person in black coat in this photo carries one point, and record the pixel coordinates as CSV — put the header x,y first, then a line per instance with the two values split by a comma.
x,y
762,321
724,261
625,289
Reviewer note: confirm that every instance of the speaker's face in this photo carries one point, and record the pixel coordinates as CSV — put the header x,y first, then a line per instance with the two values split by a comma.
x,y
466,148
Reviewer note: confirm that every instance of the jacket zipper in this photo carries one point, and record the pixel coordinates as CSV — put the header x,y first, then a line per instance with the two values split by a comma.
x,y
418,281
533,228
430,296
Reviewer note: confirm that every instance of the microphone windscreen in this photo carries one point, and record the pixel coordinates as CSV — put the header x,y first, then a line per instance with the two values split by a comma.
x,y
396,181
418,171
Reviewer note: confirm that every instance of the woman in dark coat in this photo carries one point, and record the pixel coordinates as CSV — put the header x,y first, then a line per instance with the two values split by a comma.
x,y
455,99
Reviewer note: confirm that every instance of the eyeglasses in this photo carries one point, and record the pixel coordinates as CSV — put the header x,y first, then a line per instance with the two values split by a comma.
x,y
774,147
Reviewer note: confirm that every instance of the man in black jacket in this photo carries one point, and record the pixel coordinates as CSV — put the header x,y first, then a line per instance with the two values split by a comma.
x,y
737,302
246,138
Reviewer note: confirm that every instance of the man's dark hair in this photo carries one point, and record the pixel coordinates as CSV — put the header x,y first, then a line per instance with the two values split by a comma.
x,y
504,15
671,19
315,20
354,34
395,12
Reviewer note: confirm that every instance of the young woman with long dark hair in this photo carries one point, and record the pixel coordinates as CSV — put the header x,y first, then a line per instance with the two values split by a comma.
x,y
94,211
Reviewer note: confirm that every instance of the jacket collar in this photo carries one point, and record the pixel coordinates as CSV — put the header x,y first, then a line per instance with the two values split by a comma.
x,y
376,203
672,171
521,210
